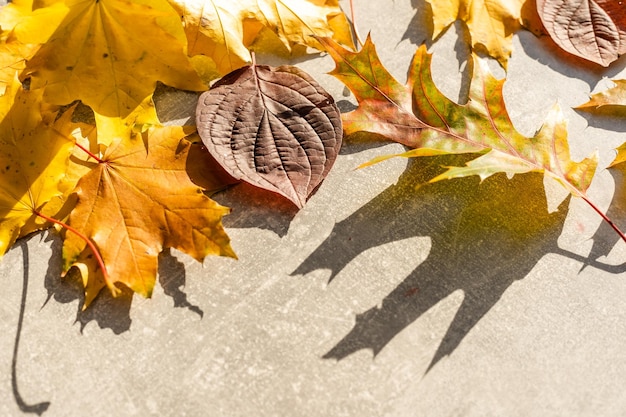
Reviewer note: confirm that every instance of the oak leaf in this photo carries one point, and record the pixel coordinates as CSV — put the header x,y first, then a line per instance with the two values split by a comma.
x,y
420,116
135,201
591,29
609,102
491,23
110,54
34,155
274,128
226,30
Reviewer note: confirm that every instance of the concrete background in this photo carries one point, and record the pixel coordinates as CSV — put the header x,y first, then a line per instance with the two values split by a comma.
x,y
380,298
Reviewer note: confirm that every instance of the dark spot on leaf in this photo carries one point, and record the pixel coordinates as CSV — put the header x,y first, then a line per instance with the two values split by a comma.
x,y
105,55
69,68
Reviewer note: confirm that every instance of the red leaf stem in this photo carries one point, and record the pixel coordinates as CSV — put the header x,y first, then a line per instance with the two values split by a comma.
x,y
88,241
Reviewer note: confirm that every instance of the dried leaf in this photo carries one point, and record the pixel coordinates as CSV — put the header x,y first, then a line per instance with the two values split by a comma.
x,y
591,29
34,156
491,23
225,30
274,128
620,158
421,117
609,102
136,202
110,53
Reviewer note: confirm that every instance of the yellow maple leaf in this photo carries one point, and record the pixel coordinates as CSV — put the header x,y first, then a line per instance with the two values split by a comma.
x,y
13,56
34,156
491,23
110,53
135,201
225,30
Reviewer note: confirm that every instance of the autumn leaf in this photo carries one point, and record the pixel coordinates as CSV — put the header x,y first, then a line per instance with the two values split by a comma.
x,y
609,102
34,157
491,23
274,128
110,53
13,56
591,29
226,30
136,200
420,116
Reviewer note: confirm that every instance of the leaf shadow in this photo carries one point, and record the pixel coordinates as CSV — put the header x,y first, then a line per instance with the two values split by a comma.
x,y
544,50
420,29
605,238
252,207
172,277
484,237
604,120
107,311
42,407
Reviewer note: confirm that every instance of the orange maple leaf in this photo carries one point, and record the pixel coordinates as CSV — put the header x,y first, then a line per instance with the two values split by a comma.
x,y
137,200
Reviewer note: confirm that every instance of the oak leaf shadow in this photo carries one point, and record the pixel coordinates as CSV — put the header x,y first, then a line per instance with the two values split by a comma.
x,y
484,237
605,238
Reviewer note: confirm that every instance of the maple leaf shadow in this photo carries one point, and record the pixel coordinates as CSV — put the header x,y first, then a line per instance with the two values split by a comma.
x,y
544,50
107,311
172,277
484,237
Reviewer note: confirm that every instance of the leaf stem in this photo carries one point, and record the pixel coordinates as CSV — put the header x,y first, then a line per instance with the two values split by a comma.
x,y
356,31
605,218
88,241
88,152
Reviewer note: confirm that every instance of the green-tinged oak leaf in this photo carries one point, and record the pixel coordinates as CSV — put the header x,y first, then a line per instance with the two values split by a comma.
x,y
491,23
34,158
110,54
136,201
418,115
609,102
226,30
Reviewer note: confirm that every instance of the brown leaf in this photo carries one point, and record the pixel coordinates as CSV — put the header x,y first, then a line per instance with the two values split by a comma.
x,y
274,128
591,29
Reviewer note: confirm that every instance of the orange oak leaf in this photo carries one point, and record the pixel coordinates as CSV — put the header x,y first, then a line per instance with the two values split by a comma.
x,y
609,102
137,200
420,116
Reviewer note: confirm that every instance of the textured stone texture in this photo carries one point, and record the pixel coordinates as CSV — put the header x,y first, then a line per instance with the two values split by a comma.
x,y
465,317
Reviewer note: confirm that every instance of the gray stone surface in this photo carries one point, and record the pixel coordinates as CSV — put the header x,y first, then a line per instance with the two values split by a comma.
x,y
379,298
